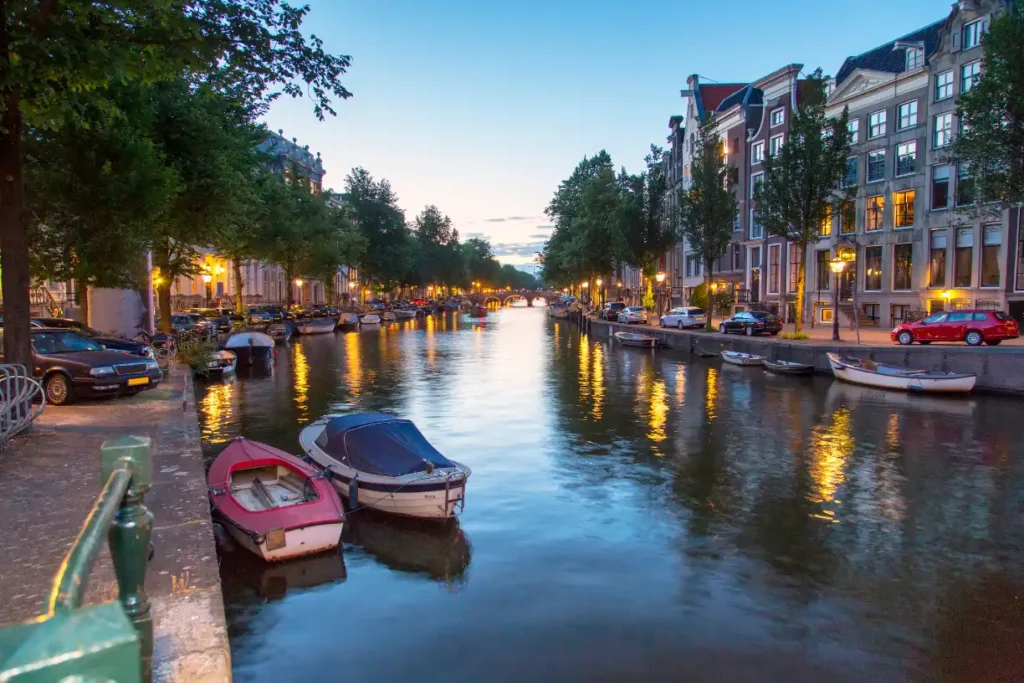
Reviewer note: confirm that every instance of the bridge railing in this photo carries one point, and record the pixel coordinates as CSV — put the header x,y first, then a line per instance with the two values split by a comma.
x,y
111,641
19,393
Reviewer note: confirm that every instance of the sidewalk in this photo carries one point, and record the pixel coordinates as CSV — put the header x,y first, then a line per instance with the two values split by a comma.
x,y
51,479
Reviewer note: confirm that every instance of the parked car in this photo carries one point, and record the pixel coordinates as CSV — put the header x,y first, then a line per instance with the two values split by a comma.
x,y
633,314
611,311
973,327
687,316
108,342
192,323
70,367
219,318
751,323
259,315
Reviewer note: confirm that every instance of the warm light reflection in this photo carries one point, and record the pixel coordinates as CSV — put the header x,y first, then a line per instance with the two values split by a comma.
x,y
217,408
681,385
658,414
711,393
597,382
301,367
353,365
892,433
831,446
584,371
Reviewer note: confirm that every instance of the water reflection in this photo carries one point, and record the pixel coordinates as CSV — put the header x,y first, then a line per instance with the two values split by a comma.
x,y
273,580
300,366
217,407
831,445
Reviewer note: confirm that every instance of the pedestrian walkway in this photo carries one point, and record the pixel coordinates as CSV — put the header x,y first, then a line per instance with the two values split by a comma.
x,y
51,478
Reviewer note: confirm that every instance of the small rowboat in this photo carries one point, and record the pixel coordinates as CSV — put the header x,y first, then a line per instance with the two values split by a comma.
x,y
252,348
869,373
316,326
369,319
349,319
636,339
737,358
273,504
279,332
404,313
222,363
477,312
785,367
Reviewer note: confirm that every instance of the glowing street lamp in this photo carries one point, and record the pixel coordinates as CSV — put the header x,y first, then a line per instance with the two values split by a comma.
x,y
660,277
207,278
298,282
838,265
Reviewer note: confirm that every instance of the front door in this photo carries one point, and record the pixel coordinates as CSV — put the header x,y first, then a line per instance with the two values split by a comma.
x,y
755,285
846,280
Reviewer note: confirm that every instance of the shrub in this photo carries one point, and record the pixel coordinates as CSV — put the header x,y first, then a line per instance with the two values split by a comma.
x,y
795,336
699,298
196,354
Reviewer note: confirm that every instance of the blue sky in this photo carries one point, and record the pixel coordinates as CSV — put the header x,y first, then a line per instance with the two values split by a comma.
x,y
481,107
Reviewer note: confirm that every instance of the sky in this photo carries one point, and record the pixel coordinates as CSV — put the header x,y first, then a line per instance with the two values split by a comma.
x,y
482,107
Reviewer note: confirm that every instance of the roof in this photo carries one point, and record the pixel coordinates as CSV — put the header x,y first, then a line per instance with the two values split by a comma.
x,y
885,58
712,94
748,95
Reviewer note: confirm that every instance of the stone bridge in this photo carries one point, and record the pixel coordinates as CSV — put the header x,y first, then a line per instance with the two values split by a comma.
x,y
504,298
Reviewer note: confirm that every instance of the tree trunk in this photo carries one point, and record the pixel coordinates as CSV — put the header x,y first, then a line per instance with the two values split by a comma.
x,y
289,292
164,301
801,285
83,301
236,266
15,278
709,296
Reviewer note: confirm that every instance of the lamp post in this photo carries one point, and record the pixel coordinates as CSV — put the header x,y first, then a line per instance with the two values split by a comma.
x,y
946,296
207,279
600,291
838,265
298,283
660,277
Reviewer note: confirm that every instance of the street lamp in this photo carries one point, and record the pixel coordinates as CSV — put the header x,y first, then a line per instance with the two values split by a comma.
x,y
600,300
946,296
660,277
838,265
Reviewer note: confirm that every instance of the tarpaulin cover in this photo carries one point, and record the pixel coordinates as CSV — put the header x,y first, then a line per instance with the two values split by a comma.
x,y
380,444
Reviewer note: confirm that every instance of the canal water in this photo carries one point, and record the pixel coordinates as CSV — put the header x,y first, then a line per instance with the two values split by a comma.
x,y
637,516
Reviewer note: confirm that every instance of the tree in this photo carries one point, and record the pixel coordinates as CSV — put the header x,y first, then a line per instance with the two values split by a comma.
x,y
707,210
479,262
597,241
802,188
329,246
992,115
373,206
57,59
647,230
438,255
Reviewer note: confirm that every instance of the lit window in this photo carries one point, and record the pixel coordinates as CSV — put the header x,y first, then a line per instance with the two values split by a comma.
x,y
853,129
775,145
826,225
757,152
963,258
876,124
847,218
903,209
991,248
973,33
969,75
937,260
906,158
907,115
778,117
874,212
943,133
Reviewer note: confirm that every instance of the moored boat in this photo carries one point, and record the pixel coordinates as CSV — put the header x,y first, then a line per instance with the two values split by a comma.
x,y
384,462
738,358
636,339
477,312
405,313
251,348
559,312
316,326
872,374
279,332
273,504
369,319
221,363
349,318
785,367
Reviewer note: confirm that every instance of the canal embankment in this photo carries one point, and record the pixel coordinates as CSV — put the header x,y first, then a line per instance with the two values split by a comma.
x,y
51,477
999,370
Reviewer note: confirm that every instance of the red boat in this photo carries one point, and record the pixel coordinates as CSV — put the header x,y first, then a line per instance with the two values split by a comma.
x,y
274,504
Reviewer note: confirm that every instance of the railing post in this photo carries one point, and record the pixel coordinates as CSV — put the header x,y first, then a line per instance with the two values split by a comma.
x,y
129,537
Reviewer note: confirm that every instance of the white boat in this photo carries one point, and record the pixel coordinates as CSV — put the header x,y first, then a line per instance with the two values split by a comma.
x,y
636,339
786,367
251,348
316,326
222,363
519,303
279,332
349,319
383,462
738,358
559,312
369,319
405,313
389,316
872,374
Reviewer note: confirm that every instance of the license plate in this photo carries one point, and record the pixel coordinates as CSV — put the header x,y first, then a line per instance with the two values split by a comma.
x,y
136,381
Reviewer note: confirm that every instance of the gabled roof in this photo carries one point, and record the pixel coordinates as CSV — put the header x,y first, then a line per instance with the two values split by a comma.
x,y
748,95
885,58
712,94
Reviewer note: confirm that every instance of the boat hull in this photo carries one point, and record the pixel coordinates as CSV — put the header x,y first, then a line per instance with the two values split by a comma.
x,y
253,355
316,326
369,319
920,382
788,368
639,340
298,542
349,319
404,314
742,359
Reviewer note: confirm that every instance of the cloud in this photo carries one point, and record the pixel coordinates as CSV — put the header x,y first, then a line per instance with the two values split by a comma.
x,y
517,248
512,219
540,236
472,235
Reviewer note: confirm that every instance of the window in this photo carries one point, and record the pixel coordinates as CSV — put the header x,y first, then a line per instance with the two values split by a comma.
x,y
902,266
826,225
940,187
823,270
736,223
874,212
871,311
876,166
906,158
794,265
903,209
973,31
847,218
853,130
876,124
944,85
775,145
850,179
826,315
774,268
872,269
964,259
970,73
991,249
778,117
943,134
755,258
756,231
757,152
937,262
736,252
915,58
755,180
907,115
964,185
689,265
900,313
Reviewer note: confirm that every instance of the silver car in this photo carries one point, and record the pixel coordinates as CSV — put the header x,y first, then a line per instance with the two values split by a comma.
x,y
686,316
633,314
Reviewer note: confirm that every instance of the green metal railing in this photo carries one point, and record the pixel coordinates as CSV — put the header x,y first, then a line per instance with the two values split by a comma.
x,y
104,642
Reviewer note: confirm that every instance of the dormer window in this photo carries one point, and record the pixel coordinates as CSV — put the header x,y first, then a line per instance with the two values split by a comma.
x,y
915,58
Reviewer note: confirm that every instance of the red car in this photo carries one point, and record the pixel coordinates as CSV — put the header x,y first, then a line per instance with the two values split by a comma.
x,y
973,327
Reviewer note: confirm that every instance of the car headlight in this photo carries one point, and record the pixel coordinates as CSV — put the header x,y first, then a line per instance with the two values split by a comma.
x,y
101,371
152,365
148,352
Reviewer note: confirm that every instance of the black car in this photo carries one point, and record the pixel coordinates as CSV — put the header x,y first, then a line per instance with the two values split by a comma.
x,y
612,310
106,341
751,323
219,318
71,366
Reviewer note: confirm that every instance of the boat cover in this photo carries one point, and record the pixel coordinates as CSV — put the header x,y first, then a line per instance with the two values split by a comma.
x,y
380,444
244,339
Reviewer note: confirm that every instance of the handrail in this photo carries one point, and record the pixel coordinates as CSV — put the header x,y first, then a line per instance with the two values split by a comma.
x,y
18,393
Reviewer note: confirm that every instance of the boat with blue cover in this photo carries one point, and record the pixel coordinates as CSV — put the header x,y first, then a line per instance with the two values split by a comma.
x,y
384,462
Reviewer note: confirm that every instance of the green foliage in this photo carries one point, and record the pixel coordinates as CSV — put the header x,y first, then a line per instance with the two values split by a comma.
x,y
479,261
197,355
439,258
803,184
373,207
646,228
992,115
648,299
795,336
699,297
